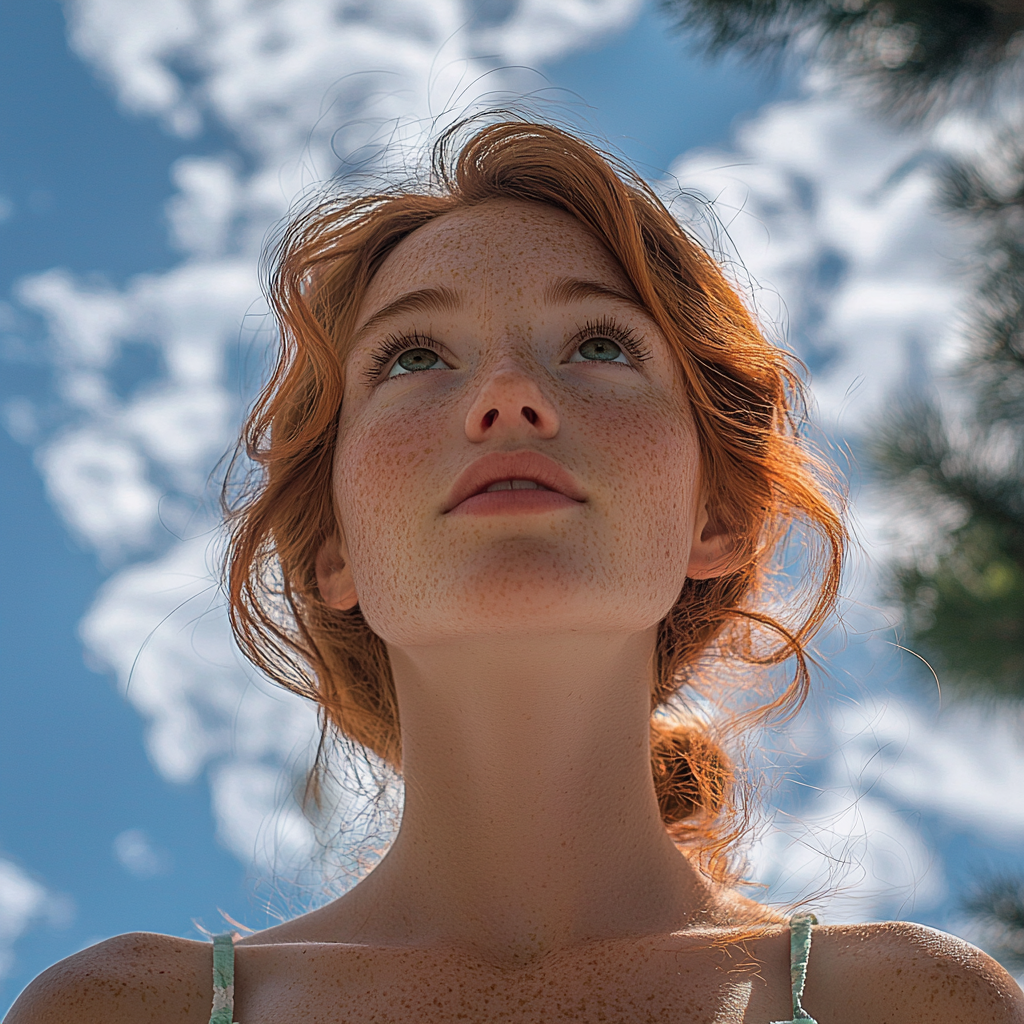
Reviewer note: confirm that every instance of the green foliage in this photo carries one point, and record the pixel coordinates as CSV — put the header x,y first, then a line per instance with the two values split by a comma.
x,y
916,53
966,612
997,905
995,200
964,598
964,595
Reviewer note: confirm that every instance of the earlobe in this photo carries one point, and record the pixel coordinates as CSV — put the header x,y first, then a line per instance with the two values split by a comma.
x,y
334,577
714,551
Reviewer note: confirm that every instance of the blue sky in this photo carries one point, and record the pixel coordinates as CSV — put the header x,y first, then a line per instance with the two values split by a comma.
x,y
87,185
120,813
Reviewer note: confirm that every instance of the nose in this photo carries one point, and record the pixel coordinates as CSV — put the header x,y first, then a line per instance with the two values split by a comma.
x,y
510,404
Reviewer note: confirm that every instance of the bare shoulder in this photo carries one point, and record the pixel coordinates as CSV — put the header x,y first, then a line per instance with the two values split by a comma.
x,y
902,973
124,980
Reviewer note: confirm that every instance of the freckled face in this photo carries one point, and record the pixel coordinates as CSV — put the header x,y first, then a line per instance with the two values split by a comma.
x,y
506,355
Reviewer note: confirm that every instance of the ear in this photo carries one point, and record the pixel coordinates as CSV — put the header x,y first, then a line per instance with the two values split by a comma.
x,y
333,576
714,550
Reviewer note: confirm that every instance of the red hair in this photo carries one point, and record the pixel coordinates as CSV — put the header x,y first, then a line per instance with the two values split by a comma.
x,y
760,475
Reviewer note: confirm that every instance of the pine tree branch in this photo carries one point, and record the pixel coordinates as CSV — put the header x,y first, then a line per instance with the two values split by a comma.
x,y
997,905
912,451
916,55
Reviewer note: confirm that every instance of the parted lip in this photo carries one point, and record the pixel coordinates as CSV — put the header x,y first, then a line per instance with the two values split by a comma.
x,y
497,466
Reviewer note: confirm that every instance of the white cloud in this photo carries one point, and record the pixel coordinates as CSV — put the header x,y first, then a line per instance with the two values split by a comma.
x,y
259,818
892,776
832,215
965,764
853,856
270,72
108,467
161,628
19,418
136,853
539,31
207,200
25,902
83,323
835,219
133,51
99,484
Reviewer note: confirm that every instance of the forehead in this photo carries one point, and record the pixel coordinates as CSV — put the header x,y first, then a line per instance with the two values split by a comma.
x,y
498,246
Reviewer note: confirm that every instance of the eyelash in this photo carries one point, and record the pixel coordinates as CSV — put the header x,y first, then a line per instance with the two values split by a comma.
x,y
394,345
606,327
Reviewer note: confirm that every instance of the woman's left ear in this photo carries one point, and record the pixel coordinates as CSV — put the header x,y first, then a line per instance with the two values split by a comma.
x,y
333,576
714,550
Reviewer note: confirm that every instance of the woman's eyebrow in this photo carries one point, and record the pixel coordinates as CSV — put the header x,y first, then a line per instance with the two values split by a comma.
x,y
424,300
572,289
447,300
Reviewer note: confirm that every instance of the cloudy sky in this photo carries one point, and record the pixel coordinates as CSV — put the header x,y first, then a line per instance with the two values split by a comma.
x,y
145,774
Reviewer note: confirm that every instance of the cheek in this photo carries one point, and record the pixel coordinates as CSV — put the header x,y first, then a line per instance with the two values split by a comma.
x,y
652,467
387,484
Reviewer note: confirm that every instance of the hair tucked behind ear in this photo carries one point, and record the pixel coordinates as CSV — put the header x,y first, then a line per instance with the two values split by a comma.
x,y
759,475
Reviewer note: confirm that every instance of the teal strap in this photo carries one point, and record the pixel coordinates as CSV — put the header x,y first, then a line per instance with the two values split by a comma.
x,y
223,979
799,950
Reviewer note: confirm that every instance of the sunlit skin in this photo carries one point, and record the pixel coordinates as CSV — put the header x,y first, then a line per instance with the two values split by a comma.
x,y
521,641
611,565
532,879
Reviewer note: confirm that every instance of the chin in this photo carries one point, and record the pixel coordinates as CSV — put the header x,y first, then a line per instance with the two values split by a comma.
x,y
519,601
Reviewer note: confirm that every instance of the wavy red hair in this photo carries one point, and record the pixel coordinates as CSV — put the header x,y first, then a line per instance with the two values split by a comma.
x,y
761,477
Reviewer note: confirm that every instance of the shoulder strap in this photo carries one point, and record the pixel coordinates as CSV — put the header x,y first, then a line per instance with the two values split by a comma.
x,y
800,926
223,979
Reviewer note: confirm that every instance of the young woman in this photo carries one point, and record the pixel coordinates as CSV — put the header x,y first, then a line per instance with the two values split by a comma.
x,y
526,463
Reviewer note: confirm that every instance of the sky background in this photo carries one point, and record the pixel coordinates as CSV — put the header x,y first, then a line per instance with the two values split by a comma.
x,y
145,151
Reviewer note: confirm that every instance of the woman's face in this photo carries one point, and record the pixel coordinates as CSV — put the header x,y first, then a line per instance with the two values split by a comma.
x,y
516,453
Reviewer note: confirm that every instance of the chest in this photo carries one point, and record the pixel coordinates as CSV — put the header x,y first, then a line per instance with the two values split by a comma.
x,y
621,985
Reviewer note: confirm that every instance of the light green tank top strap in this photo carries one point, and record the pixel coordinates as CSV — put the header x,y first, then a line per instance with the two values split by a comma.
x,y
223,979
799,950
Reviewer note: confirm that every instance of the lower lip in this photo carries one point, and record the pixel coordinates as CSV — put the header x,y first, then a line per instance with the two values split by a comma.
x,y
509,503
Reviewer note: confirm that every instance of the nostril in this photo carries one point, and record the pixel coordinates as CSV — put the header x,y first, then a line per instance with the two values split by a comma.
x,y
489,417
529,415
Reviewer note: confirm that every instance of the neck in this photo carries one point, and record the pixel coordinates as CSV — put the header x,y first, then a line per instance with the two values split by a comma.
x,y
530,817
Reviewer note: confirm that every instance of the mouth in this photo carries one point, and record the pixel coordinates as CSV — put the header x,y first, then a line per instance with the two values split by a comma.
x,y
515,485
513,482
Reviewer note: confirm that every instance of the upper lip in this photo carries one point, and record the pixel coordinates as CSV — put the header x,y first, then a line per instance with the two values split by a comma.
x,y
497,466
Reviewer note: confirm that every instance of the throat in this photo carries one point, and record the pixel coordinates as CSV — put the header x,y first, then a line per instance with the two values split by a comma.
x,y
530,819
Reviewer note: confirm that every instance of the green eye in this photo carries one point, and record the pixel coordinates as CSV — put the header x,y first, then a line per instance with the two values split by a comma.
x,y
415,359
602,350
